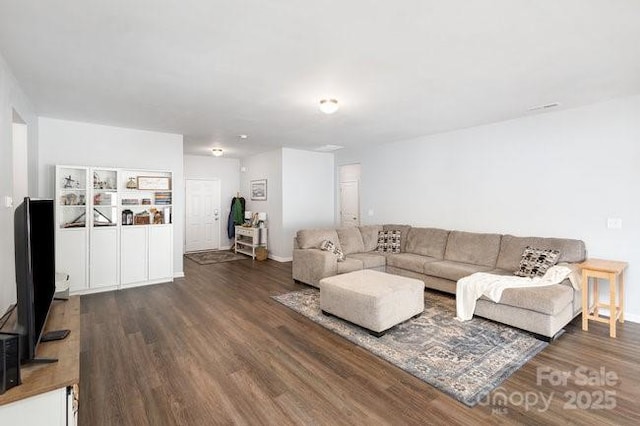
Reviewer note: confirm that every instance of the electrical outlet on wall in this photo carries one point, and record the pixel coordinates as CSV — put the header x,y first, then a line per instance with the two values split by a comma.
x,y
370,212
7,201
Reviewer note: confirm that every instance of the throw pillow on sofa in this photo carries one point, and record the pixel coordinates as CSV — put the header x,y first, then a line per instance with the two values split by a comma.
x,y
535,262
329,246
389,242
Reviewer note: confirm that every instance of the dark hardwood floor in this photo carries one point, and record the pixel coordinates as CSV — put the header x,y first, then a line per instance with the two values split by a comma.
x,y
214,348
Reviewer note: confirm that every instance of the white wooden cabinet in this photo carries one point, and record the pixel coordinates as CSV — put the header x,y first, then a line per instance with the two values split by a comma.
x,y
105,263
160,252
249,239
114,227
147,254
71,257
134,260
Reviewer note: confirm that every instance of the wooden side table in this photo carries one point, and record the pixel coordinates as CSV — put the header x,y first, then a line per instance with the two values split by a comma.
x,y
612,271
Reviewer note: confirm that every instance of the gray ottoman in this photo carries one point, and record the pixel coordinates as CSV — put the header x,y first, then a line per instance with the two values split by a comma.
x,y
374,300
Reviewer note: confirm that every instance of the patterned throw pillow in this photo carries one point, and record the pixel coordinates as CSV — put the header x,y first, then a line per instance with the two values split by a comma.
x,y
388,242
329,246
535,262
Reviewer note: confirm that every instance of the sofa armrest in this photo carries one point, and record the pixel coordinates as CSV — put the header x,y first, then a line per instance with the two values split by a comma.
x,y
312,265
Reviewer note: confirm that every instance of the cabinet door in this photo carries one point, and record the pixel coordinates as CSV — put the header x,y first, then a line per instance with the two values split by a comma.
x,y
134,259
104,257
71,257
160,252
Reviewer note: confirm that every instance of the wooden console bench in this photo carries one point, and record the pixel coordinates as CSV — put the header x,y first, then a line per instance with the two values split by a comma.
x,y
48,393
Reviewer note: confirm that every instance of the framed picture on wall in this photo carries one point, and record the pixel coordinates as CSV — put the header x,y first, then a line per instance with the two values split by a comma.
x,y
259,190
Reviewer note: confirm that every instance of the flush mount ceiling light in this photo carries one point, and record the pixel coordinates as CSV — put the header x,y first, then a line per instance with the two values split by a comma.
x,y
243,136
217,152
329,106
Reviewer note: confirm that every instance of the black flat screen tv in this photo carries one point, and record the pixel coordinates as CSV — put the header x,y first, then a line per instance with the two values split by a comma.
x,y
35,271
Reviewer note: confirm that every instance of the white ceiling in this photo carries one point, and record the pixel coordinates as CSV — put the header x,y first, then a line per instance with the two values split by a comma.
x,y
212,70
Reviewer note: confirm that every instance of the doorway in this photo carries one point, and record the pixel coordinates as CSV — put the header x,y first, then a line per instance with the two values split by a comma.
x,y
202,215
349,195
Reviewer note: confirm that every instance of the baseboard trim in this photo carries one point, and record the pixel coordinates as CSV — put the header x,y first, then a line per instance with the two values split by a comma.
x,y
280,259
627,316
178,275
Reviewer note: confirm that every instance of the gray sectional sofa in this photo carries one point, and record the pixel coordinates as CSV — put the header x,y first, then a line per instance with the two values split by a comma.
x,y
439,258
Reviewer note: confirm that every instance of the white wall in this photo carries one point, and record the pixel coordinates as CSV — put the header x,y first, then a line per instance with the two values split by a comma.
x,y
74,143
555,174
12,99
268,166
300,194
308,184
227,171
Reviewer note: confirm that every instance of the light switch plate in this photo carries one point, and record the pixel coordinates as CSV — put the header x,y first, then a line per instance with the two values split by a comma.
x,y
7,201
614,223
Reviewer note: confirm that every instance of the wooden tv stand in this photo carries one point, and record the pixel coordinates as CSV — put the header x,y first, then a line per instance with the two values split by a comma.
x,y
48,393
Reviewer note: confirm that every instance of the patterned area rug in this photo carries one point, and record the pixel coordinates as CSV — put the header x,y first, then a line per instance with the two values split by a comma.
x,y
466,360
214,256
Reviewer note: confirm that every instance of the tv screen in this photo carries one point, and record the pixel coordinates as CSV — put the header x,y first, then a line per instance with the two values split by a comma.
x,y
35,270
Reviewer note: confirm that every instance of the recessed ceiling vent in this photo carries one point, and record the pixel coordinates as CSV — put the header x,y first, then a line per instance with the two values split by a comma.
x,y
329,148
546,106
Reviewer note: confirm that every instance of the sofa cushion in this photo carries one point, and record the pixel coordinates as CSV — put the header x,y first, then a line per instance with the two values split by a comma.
x,y
370,236
350,240
473,248
329,246
536,262
388,242
512,247
312,238
404,229
548,300
427,241
349,265
370,260
452,270
409,261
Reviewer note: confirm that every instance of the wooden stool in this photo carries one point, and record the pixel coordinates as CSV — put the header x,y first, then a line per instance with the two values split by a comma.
x,y
610,270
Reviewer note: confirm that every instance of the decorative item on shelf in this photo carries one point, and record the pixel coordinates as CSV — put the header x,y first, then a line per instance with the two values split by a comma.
x,y
98,183
81,200
69,183
163,198
154,183
167,215
130,201
102,199
70,199
157,216
146,201
127,217
101,219
141,218
131,183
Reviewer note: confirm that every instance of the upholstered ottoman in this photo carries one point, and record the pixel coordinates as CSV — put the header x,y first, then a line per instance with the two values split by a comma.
x,y
374,300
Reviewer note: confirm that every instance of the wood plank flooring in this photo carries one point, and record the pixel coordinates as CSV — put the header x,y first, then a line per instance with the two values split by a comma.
x,y
214,348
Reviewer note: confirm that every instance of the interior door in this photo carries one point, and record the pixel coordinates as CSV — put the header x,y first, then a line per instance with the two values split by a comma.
x,y
203,215
349,204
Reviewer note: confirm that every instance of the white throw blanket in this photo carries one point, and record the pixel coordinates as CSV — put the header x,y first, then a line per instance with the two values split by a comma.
x,y
470,289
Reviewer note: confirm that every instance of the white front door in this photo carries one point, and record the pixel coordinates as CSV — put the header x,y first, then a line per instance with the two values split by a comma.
x,y
349,204
203,215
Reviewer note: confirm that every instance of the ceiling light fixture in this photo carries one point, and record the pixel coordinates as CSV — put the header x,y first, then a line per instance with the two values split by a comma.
x,y
243,136
329,106
217,152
